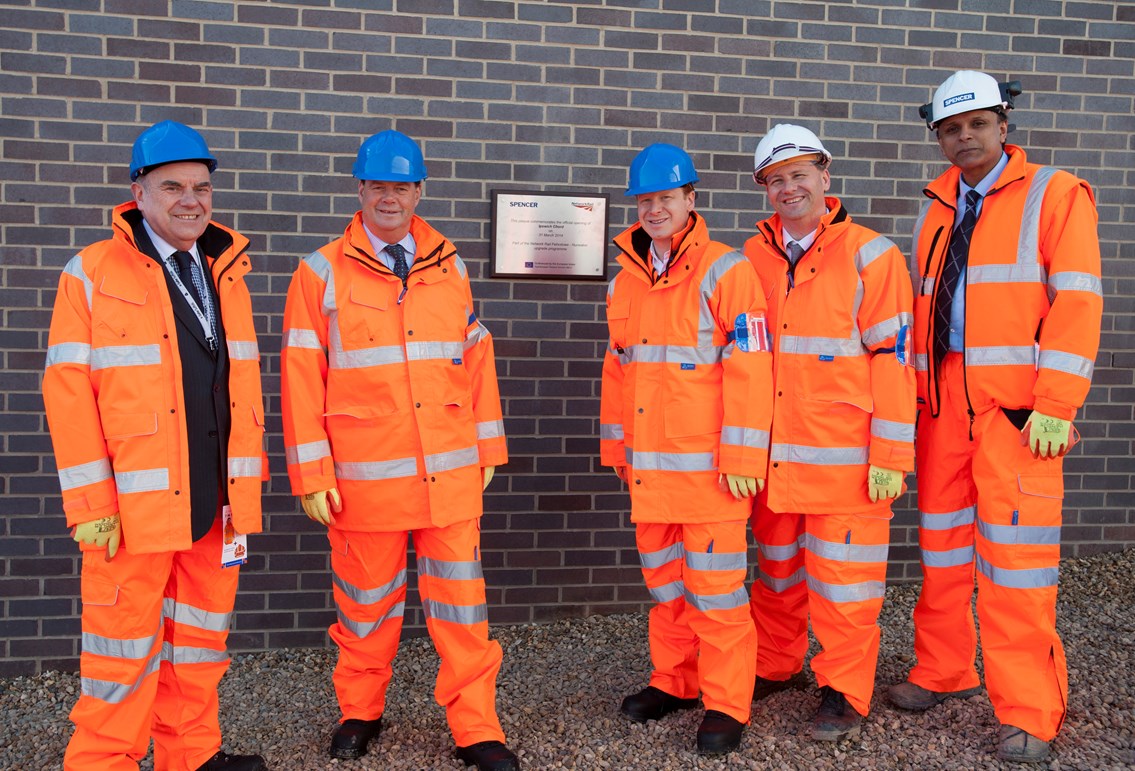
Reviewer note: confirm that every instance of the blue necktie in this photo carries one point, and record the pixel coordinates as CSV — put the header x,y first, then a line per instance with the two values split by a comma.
x,y
398,252
956,258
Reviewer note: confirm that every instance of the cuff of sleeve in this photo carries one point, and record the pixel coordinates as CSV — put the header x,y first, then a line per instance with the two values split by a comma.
x,y
1054,409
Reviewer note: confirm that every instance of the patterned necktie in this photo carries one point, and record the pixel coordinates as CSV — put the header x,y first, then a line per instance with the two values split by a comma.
x,y
795,252
398,252
187,272
955,263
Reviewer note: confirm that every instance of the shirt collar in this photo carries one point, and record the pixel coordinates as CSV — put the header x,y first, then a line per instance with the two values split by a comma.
x,y
983,187
379,245
164,248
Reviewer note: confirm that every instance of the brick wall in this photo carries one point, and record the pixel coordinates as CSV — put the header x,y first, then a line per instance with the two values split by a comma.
x,y
501,94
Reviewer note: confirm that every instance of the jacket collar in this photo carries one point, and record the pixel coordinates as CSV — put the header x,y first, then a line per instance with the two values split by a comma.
x,y
945,187
836,216
432,247
634,246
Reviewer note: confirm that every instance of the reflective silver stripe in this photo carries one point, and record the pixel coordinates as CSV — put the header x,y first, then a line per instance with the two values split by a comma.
x,y
656,559
819,456
1066,362
846,552
74,268
243,350
428,351
369,471
780,552
479,333
455,614
864,590
146,481
871,251
671,461
190,615
490,429
779,585
745,437
322,268
307,452
245,467
362,629
119,648
366,357
948,558
452,570
186,654
302,338
892,430
819,346
612,431
1027,249
713,275
460,263
85,474
700,560
68,353
112,692
454,459
672,354
1005,274
997,355
1074,281
921,362
738,598
915,266
667,592
1029,578
947,520
887,328
125,356
1025,535
370,596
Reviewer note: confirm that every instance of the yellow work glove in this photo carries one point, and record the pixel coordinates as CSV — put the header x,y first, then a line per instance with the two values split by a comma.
x,y
742,486
487,475
315,505
103,533
621,472
1046,436
883,483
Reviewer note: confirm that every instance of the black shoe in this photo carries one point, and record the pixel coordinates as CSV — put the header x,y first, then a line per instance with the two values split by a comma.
x,y
764,688
653,704
352,736
488,756
223,761
835,719
718,733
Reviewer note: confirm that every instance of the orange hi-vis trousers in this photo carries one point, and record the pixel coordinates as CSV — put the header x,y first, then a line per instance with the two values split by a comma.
x,y
369,574
988,508
701,635
154,631
833,567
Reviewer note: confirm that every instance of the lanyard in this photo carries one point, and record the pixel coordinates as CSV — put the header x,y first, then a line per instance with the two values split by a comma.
x,y
202,319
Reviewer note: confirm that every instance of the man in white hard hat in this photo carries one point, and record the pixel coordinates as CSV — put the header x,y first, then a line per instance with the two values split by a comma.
x,y
1008,304
842,432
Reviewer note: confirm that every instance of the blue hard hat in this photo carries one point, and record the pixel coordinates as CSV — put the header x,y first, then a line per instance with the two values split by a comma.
x,y
660,167
168,142
389,156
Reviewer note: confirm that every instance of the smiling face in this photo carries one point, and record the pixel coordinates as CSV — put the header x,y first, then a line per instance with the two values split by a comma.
x,y
973,141
177,200
387,207
664,214
796,190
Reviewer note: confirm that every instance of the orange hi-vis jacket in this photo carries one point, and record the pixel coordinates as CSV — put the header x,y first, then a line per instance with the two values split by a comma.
x,y
113,390
841,363
1033,295
390,394
686,378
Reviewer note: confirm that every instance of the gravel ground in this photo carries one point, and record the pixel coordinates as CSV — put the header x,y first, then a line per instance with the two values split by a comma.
x,y
562,683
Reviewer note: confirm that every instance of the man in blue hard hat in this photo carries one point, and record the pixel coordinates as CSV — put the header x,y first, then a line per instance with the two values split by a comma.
x,y
684,419
152,391
393,427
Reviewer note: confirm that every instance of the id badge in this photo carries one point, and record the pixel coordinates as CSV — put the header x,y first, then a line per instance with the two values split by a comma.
x,y
234,550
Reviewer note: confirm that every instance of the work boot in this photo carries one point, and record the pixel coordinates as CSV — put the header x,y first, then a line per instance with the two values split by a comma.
x,y
488,756
835,719
764,687
907,695
718,733
223,761
1019,746
352,736
652,704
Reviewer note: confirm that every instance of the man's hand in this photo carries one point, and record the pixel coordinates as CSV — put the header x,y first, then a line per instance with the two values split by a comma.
x,y
743,486
315,505
883,483
487,476
105,533
1046,436
621,472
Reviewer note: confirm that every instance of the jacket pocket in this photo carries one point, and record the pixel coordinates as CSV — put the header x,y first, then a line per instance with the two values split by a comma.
x,y
98,591
124,425
618,315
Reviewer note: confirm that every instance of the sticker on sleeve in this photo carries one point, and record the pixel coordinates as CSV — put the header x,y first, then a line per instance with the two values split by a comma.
x,y
751,332
902,345
234,550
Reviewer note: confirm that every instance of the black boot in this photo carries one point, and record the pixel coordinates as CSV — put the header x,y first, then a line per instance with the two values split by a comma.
x,y
652,704
352,736
223,761
719,733
488,756
835,719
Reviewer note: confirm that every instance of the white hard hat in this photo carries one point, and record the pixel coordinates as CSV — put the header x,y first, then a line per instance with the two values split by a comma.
x,y
785,142
967,90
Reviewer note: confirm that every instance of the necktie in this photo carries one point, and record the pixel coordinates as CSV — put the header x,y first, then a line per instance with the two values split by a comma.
x,y
398,252
956,257
187,272
795,252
